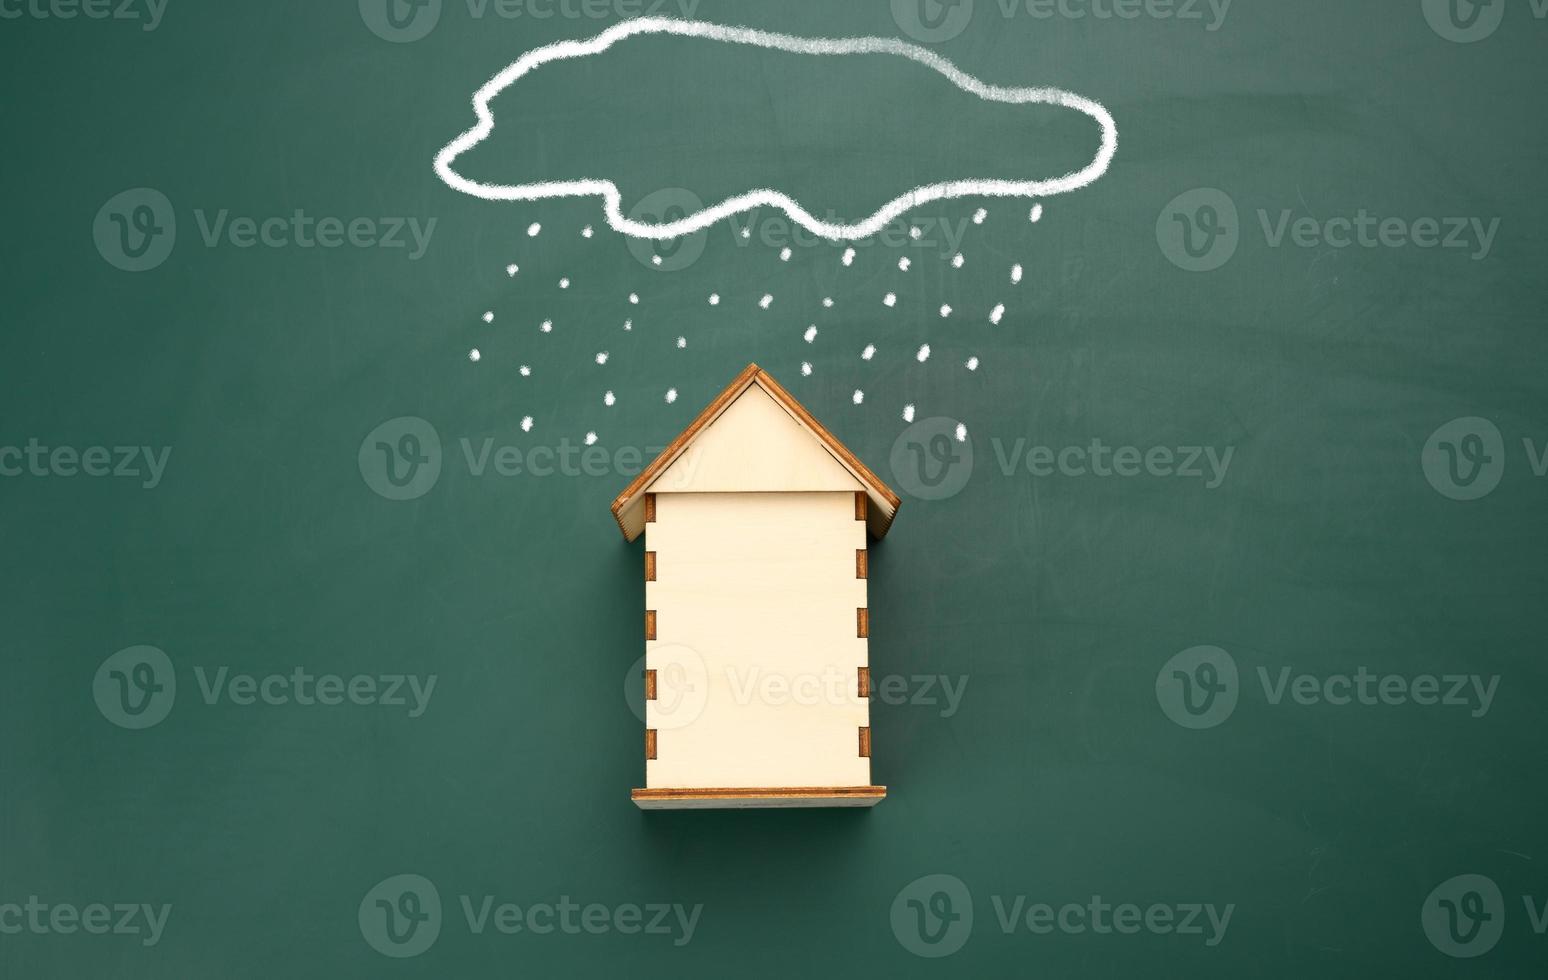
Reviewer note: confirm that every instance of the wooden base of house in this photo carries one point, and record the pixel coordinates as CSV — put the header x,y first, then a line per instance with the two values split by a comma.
x,y
757,797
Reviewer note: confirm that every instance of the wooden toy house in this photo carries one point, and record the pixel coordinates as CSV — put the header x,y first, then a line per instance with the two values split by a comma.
x,y
757,682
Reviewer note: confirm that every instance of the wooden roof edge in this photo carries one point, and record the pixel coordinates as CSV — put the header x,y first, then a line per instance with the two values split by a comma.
x,y
850,460
674,448
750,375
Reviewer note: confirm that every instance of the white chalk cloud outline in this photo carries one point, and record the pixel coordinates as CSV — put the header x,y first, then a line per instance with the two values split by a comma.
x,y
613,200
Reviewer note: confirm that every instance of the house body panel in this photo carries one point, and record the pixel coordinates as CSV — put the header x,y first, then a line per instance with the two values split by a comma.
x,y
756,601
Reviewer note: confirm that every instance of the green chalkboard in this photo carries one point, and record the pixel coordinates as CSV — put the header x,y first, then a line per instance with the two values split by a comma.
x,y
1207,646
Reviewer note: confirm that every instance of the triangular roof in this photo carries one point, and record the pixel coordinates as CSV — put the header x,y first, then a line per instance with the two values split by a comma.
x,y
629,507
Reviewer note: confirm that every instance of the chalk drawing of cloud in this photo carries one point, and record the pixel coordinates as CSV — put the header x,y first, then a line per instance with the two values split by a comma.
x,y
699,220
